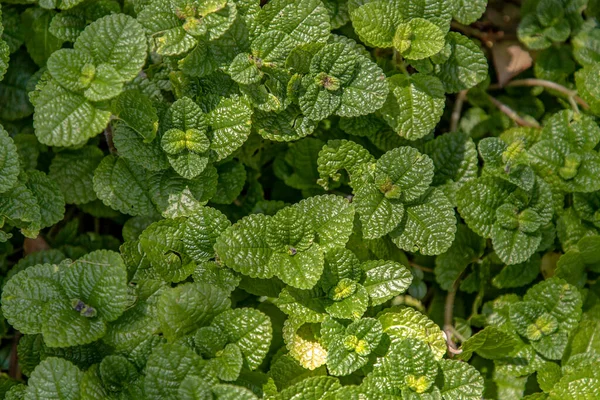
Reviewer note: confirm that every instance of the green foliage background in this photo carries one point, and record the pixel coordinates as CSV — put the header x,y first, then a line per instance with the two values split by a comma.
x,y
300,199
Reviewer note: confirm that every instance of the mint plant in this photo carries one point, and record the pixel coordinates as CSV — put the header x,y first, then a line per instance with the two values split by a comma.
x,y
299,199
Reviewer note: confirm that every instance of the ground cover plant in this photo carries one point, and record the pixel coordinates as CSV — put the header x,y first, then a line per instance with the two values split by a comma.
x,y
299,199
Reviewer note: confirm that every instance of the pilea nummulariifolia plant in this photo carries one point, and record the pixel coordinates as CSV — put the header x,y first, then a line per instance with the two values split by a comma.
x,y
300,199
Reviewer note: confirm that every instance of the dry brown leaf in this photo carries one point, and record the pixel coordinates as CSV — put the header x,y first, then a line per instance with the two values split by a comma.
x,y
34,245
510,59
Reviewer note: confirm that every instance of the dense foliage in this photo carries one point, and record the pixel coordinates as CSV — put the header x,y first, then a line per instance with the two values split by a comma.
x,y
300,199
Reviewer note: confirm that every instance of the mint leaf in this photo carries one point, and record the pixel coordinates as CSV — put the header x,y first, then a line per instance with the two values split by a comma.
x,y
415,105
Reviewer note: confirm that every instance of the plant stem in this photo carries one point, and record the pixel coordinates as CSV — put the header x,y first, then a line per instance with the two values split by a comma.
x,y
512,114
532,82
14,371
448,319
417,266
457,111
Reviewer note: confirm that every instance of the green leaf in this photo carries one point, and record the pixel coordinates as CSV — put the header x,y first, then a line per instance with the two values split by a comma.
x,y
579,130
418,38
478,200
250,330
376,22
230,124
408,323
123,186
172,366
54,378
232,179
347,300
350,351
9,161
202,229
378,214
135,109
461,380
455,161
331,217
428,225
105,85
409,363
585,47
316,387
466,67
130,145
287,125
117,40
243,247
230,392
14,88
72,69
99,279
385,279
228,364
304,21
162,242
301,269
560,299
173,194
20,206
184,308
26,296
466,12
568,170
306,305
73,171
518,275
490,343
63,118
346,155
366,92
39,41
415,104
466,248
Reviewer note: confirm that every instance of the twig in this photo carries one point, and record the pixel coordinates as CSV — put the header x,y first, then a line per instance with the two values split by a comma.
x,y
532,82
512,113
14,370
449,317
457,111
422,268
488,38
108,135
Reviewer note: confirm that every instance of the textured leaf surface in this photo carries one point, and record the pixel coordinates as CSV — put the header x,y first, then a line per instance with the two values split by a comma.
x,y
123,186
189,306
428,225
409,323
63,118
9,161
117,40
74,172
415,105
465,68
385,279
461,380
54,378
250,330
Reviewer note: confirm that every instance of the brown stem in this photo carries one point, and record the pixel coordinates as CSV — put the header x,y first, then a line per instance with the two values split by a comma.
x,y
532,82
422,268
512,114
488,38
449,319
14,370
457,111
108,135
